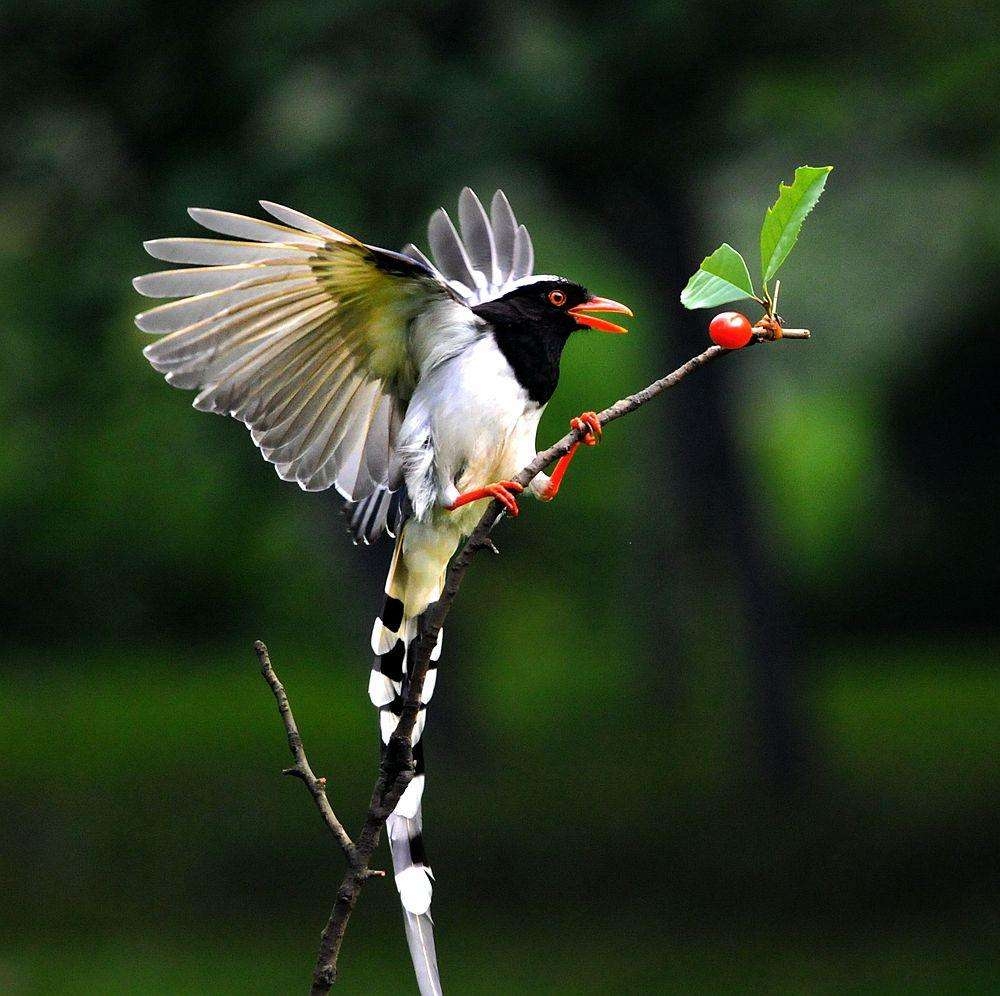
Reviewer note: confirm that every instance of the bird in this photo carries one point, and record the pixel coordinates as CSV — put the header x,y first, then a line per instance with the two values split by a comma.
x,y
411,384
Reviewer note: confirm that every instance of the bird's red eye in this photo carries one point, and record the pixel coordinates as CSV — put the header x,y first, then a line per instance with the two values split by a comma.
x,y
557,297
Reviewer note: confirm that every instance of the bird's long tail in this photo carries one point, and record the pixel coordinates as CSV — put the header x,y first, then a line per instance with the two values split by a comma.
x,y
392,635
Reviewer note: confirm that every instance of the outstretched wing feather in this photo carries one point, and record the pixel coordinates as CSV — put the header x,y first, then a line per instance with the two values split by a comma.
x,y
504,229
220,252
449,252
524,254
302,332
242,227
490,255
478,236
204,279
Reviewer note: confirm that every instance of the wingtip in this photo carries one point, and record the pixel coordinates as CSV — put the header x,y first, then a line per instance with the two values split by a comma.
x,y
198,214
439,221
468,194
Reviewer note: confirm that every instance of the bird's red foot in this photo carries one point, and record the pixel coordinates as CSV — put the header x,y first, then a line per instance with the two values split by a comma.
x,y
588,421
503,491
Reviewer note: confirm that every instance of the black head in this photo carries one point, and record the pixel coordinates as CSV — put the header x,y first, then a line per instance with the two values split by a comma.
x,y
551,305
532,323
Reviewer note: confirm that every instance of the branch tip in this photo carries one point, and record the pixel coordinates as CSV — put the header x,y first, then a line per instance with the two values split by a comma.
x,y
302,769
486,543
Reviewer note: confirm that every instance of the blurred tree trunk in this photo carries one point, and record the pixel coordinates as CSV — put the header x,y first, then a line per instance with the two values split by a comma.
x,y
656,225
714,492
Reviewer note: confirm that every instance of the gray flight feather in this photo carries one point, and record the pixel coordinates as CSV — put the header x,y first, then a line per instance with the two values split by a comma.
x,y
504,230
490,256
382,511
524,254
477,235
415,254
449,251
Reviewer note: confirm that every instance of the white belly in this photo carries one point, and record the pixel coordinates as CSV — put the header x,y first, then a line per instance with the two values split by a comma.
x,y
477,421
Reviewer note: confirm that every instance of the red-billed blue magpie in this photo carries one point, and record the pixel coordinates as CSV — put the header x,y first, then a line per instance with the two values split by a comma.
x,y
413,387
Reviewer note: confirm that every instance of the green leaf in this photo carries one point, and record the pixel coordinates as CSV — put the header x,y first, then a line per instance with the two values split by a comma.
x,y
722,277
783,220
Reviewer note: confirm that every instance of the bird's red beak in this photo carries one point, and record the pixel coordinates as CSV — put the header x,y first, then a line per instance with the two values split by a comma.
x,y
602,304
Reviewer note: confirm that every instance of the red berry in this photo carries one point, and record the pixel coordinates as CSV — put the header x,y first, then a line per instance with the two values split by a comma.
x,y
731,330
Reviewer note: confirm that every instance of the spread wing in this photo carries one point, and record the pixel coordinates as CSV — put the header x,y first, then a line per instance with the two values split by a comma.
x,y
490,256
299,331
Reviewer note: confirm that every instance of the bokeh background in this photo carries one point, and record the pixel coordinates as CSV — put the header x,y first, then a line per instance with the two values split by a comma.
x,y
725,718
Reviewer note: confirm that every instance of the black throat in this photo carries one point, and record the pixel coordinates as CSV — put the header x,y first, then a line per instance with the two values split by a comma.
x,y
533,350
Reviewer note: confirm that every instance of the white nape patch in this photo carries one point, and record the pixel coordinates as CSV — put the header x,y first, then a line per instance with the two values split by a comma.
x,y
442,331
383,639
380,689
409,801
430,681
534,278
415,889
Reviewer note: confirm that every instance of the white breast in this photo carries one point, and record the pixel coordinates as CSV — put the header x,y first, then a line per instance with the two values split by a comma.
x,y
469,423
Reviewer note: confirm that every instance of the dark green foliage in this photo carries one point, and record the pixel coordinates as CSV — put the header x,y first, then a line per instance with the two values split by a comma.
x,y
772,589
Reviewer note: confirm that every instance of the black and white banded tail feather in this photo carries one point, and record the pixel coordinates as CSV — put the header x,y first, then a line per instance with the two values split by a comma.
x,y
394,631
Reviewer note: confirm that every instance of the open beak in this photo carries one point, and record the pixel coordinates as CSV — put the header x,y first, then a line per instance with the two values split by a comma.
x,y
600,304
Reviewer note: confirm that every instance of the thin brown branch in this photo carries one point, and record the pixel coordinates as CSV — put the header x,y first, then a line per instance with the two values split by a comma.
x,y
301,769
396,769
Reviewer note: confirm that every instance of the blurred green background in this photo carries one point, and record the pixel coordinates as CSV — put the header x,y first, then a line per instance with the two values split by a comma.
x,y
725,718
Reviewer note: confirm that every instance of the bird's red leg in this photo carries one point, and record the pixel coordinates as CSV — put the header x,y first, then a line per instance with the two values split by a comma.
x,y
503,491
588,420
